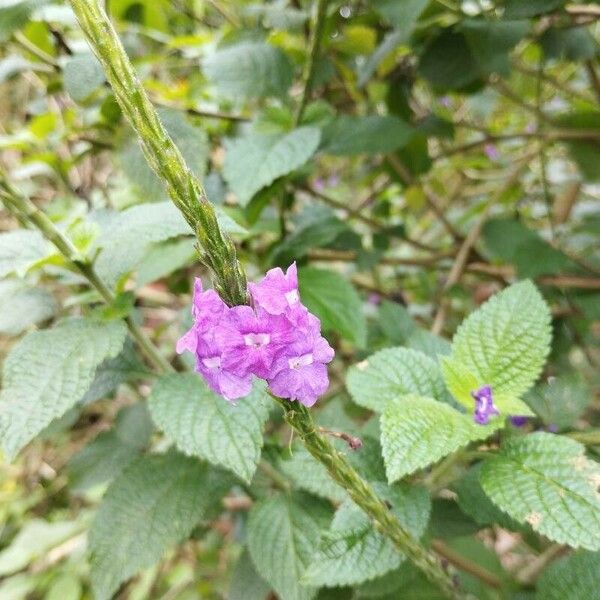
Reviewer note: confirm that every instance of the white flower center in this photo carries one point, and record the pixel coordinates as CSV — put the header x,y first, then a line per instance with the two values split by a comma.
x,y
300,361
257,339
292,297
213,362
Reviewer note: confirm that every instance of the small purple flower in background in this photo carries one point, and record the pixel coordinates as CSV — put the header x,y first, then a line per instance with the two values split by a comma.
x,y
491,152
519,420
445,101
278,340
484,405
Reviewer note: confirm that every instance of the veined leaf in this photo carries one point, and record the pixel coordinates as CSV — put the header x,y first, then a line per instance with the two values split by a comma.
x,y
418,431
351,551
155,502
200,423
574,577
257,160
389,374
246,583
250,70
283,535
503,344
47,372
22,306
546,480
335,301
20,249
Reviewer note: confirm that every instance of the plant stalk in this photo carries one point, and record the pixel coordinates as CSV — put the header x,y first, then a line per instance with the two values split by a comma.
x,y
25,210
340,470
215,247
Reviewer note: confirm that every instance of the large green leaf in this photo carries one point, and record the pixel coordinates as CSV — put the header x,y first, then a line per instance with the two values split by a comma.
x,y
249,70
503,344
365,135
546,480
203,424
111,451
351,551
246,583
418,431
283,536
258,159
155,503
310,475
574,577
131,232
82,75
47,372
21,249
15,15
22,306
392,373
334,300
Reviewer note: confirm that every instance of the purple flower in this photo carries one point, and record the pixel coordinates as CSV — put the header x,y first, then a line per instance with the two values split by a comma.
x,y
484,405
277,293
519,420
251,340
491,152
277,340
299,373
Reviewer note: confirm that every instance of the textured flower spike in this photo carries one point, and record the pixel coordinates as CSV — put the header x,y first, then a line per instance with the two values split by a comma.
x,y
277,292
484,405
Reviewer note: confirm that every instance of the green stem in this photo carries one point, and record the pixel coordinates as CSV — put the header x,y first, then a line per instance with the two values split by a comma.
x,y
340,470
215,247
25,210
589,438
311,64
219,254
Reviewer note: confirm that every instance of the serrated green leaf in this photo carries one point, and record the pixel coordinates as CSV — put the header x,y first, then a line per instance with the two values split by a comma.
x,y
365,135
22,306
396,322
82,75
256,160
165,258
503,344
418,431
392,373
246,583
351,551
546,480
20,249
130,233
154,503
191,141
573,577
200,423
310,475
111,451
472,500
334,300
47,372
283,536
250,70
430,344
561,401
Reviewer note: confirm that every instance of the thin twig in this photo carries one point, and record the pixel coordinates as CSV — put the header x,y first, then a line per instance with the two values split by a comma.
x,y
593,77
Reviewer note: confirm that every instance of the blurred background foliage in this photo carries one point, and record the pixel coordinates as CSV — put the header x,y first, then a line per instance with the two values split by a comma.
x,y
440,150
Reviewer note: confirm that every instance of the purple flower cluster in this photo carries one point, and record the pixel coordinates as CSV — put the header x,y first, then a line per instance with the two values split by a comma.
x,y
484,405
277,339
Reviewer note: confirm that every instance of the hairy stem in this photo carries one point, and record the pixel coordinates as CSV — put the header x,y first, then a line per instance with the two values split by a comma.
x,y
218,252
26,211
215,247
340,470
